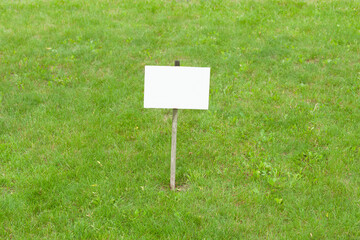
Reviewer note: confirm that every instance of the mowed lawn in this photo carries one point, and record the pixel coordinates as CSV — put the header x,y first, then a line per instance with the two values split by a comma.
x,y
276,156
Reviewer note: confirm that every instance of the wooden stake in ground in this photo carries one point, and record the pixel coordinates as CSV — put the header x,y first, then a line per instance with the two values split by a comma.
x,y
173,144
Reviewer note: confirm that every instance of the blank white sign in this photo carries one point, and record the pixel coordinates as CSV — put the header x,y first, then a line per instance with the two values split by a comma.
x,y
177,87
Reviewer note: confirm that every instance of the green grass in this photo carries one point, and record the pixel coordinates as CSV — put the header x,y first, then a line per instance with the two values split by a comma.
x,y
276,156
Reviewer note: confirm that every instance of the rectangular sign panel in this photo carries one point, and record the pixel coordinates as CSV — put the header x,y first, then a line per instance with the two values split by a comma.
x,y
177,87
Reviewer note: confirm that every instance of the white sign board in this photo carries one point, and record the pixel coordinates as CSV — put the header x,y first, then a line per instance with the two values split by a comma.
x,y
177,87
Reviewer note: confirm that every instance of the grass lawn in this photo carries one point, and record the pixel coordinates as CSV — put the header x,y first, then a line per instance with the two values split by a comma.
x,y
276,156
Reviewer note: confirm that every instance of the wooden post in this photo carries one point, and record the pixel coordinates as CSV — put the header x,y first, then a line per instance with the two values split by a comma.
x,y
173,149
173,144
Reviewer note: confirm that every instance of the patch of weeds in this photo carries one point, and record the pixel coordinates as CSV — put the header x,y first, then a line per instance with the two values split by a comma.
x,y
308,163
265,171
278,200
275,178
306,160
61,80
95,200
18,81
